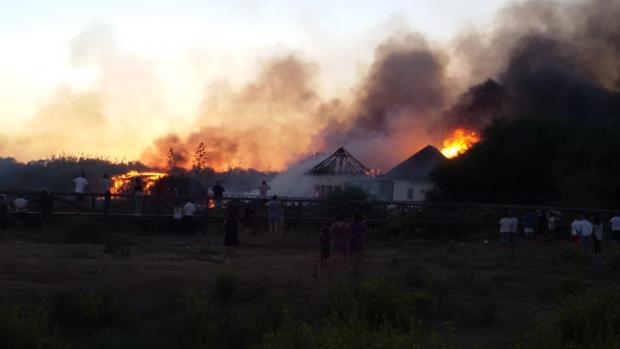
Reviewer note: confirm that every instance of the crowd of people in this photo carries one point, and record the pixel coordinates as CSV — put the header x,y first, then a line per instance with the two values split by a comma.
x,y
543,226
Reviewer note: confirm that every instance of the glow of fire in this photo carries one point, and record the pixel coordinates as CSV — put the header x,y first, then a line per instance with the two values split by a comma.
x,y
124,182
459,142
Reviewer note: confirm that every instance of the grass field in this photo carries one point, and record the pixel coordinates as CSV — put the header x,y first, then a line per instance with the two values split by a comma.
x,y
85,286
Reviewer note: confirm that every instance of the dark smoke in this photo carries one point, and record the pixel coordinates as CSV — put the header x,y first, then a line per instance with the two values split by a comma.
x,y
563,62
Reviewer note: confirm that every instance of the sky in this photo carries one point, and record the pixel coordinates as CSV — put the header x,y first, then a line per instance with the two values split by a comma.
x,y
132,71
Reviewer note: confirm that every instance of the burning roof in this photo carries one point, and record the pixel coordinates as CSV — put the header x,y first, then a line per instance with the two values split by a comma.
x,y
419,165
340,163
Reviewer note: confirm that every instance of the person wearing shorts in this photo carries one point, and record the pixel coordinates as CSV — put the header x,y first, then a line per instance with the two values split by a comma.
x,y
505,230
274,214
231,234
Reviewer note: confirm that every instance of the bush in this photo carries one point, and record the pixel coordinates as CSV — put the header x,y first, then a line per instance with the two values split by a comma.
x,y
89,309
590,320
377,301
337,333
202,322
25,330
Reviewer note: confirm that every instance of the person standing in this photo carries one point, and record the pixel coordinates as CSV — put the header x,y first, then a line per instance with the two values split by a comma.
x,y
80,185
47,206
138,196
4,216
513,230
189,209
615,228
177,218
551,225
106,187
575,231
356,243
263,189
529,223
505,230
586,231
218,194
340,236
273,214
597,236
20,205
231,234
541,226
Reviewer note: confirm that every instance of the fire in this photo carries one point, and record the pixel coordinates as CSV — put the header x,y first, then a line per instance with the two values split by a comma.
x,y
459,142
124,183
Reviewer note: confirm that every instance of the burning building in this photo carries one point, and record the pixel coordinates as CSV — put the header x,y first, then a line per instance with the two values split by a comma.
x,y
341,170
411,179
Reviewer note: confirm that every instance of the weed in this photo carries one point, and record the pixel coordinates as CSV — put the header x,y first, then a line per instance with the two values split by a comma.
x,y
21,329
89,309
224,287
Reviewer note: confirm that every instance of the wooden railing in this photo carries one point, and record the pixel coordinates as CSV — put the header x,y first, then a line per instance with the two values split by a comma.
x,y
299,210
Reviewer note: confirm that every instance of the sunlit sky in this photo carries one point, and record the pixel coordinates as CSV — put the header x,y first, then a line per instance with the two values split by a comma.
x,y
182,46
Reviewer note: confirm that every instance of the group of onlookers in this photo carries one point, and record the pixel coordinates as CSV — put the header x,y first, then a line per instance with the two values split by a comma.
x,y
544,226
342,242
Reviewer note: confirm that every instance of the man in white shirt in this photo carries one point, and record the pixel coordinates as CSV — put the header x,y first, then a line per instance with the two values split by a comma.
x,y
20,204
505,228
188,215
81,183
189,208
585,234
615,227
263,189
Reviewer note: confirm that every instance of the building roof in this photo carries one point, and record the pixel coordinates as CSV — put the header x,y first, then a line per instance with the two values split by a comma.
x,y
340,163
419,165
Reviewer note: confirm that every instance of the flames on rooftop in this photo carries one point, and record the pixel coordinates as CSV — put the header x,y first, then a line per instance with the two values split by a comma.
x,y
124,183
459,142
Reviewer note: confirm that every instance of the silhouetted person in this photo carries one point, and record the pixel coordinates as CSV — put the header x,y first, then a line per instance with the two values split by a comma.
x,y
138,195
20,207
597,236
218,194
177,218
4,216
47,207
80,185
106,187
248,218
356,243
274,211
263,189
340,237
231,234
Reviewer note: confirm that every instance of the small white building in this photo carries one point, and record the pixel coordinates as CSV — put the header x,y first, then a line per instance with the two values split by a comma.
x,y
411,179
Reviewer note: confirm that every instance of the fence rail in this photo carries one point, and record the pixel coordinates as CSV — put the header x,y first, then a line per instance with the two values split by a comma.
x,y
295,210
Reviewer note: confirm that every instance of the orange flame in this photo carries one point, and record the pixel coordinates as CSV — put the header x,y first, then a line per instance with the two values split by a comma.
x,y
459,142
124,183
210,203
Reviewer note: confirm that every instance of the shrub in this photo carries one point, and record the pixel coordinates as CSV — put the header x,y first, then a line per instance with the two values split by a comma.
x,y
202,322
378,300
337,333
590,320
89,309
25,330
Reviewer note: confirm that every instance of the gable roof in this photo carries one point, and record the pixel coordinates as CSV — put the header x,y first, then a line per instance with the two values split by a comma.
x,y
419,165
340,162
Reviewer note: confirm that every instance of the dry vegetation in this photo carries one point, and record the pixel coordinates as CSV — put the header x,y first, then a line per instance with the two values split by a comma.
x,y
89,286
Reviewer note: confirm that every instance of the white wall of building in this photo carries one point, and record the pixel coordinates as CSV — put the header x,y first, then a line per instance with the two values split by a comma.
x,y
411,190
